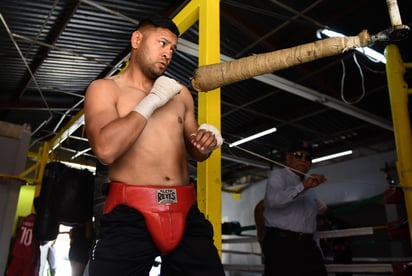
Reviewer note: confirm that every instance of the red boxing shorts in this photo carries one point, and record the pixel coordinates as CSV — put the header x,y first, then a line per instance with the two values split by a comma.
x,y
164,208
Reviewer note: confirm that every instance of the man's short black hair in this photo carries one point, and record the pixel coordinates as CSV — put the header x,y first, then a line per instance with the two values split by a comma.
x,y
160,21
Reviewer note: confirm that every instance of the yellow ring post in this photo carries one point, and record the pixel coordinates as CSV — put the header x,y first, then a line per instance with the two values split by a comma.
x,y
209,172
398,92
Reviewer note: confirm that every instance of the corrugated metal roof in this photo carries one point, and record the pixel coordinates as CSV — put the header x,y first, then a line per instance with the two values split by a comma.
x,y
67,44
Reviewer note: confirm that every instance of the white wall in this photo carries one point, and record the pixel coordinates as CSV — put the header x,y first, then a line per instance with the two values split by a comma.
x,y
355,179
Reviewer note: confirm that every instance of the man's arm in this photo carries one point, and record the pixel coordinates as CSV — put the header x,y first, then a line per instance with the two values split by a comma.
x,y
206,139
109,134
200,141
281,189
314,180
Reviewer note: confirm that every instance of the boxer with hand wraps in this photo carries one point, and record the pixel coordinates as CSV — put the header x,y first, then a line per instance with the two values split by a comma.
x,y
142,125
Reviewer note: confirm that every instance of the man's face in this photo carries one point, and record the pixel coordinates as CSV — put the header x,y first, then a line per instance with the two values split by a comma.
x,y
299,160
157,49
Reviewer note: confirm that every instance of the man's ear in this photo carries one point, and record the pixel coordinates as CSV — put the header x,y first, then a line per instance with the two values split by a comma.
x,y
136,39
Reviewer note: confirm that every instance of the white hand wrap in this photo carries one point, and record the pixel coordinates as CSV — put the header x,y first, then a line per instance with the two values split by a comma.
x,y
163,90
215,132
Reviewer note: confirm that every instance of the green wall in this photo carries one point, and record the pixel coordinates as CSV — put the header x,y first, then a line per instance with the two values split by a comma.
x,y
25,203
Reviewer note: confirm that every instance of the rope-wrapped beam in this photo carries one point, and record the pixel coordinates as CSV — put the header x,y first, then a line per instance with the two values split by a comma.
x,y
209,77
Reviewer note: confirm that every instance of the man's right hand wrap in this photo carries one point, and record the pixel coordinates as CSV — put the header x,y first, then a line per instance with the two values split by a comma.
x,y
163,90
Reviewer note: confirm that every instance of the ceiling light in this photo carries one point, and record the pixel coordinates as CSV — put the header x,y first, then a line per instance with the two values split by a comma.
x,y
252,137
331,156
370,53
78,166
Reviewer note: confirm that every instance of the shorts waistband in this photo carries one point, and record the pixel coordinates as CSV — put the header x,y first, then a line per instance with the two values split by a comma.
x,y
160,197
282,233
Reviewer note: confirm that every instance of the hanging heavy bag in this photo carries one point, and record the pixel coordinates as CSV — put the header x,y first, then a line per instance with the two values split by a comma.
x,y
73,196
46,227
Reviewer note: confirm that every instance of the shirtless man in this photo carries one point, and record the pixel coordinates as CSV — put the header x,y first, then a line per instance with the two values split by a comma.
x,y
142,125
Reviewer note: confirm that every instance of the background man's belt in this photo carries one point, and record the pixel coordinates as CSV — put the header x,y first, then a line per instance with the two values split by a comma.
x,y
289,234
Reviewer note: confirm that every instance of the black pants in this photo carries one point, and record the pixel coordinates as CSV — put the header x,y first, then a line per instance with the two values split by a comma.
x,y
124,247
291,255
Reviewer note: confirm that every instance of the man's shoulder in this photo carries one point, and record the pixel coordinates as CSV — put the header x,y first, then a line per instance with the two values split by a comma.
x,y
281,172
280,169
102,85
105,81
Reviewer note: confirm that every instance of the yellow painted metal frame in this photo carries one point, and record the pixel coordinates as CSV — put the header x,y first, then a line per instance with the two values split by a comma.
x,y
41,158
398,92
209,171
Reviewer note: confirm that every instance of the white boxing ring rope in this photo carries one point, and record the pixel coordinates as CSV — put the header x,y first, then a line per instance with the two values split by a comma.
x,y
370,267
355,268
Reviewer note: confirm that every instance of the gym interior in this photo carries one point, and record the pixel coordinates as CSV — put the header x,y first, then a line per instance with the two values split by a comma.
x,y
340,99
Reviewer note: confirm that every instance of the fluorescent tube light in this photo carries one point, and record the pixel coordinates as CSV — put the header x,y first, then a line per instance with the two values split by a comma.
x,y
79,166
252,137
372,54
331,156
